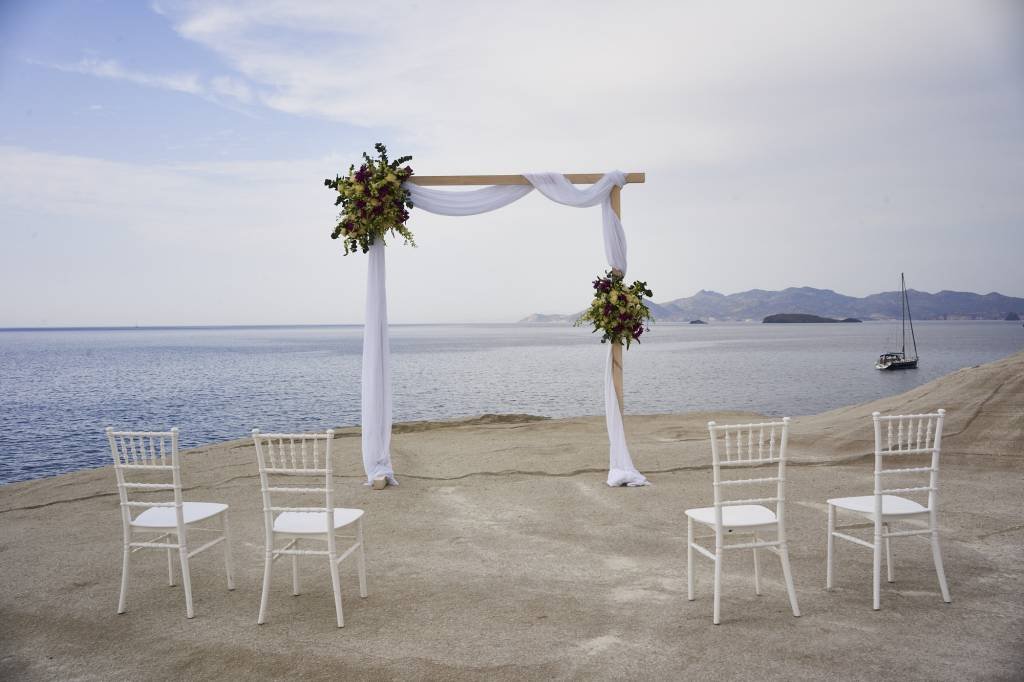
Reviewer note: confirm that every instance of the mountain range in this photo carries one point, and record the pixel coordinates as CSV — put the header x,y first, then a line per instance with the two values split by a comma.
x,y
757,303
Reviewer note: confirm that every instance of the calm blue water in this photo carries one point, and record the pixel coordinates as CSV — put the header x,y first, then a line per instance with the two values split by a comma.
x,y
58,389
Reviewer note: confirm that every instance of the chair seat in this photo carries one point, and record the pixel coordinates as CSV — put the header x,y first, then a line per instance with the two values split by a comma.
x,y
892,505
738,516
165,517
306,523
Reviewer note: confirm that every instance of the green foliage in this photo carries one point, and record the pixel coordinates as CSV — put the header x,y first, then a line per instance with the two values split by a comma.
x,y
373,201
618,311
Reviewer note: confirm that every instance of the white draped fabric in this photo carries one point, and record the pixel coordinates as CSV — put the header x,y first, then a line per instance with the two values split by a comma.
x,y
471,202
376,388
377,398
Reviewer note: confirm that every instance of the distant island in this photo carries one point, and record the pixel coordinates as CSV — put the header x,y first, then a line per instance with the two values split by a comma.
x,y
756,304
697,322
801,317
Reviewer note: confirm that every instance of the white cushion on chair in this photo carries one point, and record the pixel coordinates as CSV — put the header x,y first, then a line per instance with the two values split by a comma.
x,y
301,523
892,505
165,517
738,516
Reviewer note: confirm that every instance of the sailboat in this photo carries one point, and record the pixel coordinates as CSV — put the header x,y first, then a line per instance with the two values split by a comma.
x,y
901,360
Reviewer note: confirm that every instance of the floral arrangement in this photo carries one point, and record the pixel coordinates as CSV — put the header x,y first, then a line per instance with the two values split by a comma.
x,y
618,310
373,201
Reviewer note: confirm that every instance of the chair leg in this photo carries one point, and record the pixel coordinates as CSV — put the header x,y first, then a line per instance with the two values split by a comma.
x,y
361,559
829,553
186,579
228,567
336,585
888,557
784,557
937,555
757,572
295,570
876,570
716,619
170,568
122,601
689,558
264,595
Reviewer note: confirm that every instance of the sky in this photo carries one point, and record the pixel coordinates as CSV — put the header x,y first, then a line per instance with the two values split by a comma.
x,y
163,163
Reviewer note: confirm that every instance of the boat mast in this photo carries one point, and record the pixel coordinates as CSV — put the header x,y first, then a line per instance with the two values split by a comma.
x,y
903,314
906,302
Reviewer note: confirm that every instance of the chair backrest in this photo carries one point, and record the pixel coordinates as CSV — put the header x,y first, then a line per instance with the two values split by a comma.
x,y
907,434
288,455
747,445
145,453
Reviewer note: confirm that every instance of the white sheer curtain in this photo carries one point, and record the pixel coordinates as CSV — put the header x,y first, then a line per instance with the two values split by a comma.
x,y
376,410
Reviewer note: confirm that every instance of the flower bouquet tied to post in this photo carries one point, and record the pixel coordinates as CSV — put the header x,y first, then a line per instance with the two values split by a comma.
x,y
618,311
373,201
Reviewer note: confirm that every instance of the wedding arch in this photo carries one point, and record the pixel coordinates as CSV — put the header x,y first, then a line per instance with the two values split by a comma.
x,y
496,191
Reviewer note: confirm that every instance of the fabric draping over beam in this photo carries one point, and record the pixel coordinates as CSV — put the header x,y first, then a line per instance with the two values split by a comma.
x,y
376,389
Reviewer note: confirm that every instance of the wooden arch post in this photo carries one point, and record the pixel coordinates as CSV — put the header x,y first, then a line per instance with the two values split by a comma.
x,y
574,178
616,197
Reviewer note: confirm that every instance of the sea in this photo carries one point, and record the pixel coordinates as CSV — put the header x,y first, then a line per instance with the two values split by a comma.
x,y
60,388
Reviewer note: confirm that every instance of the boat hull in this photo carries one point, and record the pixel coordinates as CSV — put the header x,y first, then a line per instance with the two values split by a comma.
x,y
897,364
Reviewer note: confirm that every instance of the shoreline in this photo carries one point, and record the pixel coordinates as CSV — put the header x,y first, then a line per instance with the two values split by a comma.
x,y
636,420
222,388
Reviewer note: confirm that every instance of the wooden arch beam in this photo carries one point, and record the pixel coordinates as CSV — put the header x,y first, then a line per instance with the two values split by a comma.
x,y
456,180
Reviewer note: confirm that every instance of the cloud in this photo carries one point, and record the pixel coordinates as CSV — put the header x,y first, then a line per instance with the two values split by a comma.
x,y
224,90
90,241
112,69
598,83
233,88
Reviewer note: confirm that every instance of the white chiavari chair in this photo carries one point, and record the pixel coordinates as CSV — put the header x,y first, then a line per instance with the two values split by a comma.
x,y
285,457
905,436
744,446
140,457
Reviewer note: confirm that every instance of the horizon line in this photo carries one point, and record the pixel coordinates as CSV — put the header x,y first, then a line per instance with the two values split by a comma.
x,y
335,325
